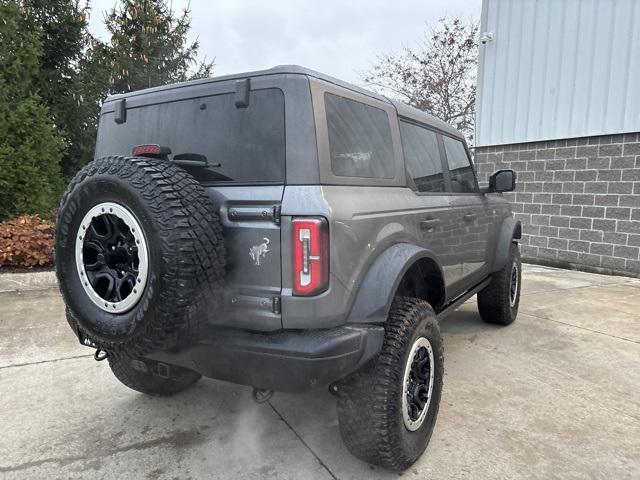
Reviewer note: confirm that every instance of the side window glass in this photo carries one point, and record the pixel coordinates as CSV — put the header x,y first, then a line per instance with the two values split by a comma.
x,y
462,177
422,157
360,142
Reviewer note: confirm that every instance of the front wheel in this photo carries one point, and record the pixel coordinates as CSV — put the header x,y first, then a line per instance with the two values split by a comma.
x,y
498,302
387,411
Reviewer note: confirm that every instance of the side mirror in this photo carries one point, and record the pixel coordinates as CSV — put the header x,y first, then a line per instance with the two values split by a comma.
x,y
502,181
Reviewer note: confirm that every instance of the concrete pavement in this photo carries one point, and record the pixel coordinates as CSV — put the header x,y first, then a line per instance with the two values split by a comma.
x,y
555,395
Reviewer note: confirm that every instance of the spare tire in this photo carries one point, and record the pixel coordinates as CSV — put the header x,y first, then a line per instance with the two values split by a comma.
x,y
139,255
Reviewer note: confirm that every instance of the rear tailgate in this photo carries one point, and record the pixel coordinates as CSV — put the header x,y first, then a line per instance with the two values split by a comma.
x,y
250,217
237,152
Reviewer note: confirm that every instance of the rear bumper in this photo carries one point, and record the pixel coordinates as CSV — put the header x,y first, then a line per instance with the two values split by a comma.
x,y
285,360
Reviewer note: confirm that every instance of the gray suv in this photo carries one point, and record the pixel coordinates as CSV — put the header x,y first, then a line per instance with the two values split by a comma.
x,y
285,230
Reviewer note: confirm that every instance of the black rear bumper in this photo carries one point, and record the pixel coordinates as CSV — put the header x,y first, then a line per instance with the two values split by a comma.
x,y
285,360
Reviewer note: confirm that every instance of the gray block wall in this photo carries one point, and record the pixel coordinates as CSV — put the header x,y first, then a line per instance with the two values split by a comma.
x,y
578,200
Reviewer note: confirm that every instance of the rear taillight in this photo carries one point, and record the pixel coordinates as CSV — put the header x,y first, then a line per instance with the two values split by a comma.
x,y
150,150
310,255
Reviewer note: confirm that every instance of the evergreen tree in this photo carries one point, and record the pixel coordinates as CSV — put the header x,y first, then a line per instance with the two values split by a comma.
x,y
60,81
30,145
149,46
63,68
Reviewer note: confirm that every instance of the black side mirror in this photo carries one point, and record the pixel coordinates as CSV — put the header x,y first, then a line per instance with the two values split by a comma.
x,y
502,181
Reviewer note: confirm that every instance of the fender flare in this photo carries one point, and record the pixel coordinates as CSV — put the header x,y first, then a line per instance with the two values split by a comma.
x,y
511,230
375,295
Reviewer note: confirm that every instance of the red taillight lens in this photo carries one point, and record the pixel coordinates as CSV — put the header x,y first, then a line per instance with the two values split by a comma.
x,y
310,255
149,149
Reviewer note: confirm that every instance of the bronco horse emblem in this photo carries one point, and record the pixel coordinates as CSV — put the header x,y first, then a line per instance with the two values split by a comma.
x,y
259,251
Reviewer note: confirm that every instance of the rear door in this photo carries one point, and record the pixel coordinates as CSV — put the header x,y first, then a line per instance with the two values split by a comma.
x,y
471,210
436,226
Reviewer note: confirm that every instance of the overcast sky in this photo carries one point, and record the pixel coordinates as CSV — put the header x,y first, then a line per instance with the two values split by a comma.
x,y
339,38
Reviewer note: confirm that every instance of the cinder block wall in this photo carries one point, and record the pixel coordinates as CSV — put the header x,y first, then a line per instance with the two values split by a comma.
x,y
578,200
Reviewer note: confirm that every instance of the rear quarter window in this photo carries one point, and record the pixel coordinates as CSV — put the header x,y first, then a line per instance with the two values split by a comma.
x,y
360,143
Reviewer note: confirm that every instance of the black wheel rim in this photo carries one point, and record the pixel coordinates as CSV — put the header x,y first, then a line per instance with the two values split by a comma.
x,y
418,384
514,285
112,257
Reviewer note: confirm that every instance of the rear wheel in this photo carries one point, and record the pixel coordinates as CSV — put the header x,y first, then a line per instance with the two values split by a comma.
x,y
151,377
387,411
498,302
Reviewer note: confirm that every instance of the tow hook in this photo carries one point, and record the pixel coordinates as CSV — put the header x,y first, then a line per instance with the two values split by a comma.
x,y
100,355
261,395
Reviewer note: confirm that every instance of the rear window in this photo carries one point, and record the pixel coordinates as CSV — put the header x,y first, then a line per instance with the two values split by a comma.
x,y
241,144
360,142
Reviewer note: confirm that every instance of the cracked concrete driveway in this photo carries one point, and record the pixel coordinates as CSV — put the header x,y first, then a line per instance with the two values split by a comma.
x,y
555,395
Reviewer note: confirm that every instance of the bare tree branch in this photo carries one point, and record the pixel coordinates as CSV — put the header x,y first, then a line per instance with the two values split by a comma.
x,y
438,76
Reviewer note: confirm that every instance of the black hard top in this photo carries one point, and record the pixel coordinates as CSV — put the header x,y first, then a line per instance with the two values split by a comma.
x,y
403,109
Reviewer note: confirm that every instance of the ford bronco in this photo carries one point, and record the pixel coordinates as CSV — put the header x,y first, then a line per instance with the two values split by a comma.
x,y
285,230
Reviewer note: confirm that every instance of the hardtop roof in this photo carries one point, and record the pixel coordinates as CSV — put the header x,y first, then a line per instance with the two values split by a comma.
x,y
403,109
417,115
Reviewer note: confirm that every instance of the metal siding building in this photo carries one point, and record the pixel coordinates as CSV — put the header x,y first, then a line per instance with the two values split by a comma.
x,y
558,103
558,69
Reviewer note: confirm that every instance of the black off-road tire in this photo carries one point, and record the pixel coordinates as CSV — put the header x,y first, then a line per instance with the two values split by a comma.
x,y
370,401
185,251
149,377
495,300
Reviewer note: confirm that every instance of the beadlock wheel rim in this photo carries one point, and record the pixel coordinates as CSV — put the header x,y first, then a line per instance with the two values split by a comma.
x,y
514,285
112,258
417,384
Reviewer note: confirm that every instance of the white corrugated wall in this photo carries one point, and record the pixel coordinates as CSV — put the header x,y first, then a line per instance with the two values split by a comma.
x,y
558,69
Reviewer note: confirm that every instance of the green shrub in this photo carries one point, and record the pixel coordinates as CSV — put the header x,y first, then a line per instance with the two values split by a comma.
x,y
30,145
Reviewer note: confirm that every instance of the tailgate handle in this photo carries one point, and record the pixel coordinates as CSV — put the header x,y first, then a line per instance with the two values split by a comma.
x,y
429,224
270,213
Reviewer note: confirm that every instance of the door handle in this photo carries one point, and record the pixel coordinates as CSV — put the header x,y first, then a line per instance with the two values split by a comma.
x,y
429,224
470,217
